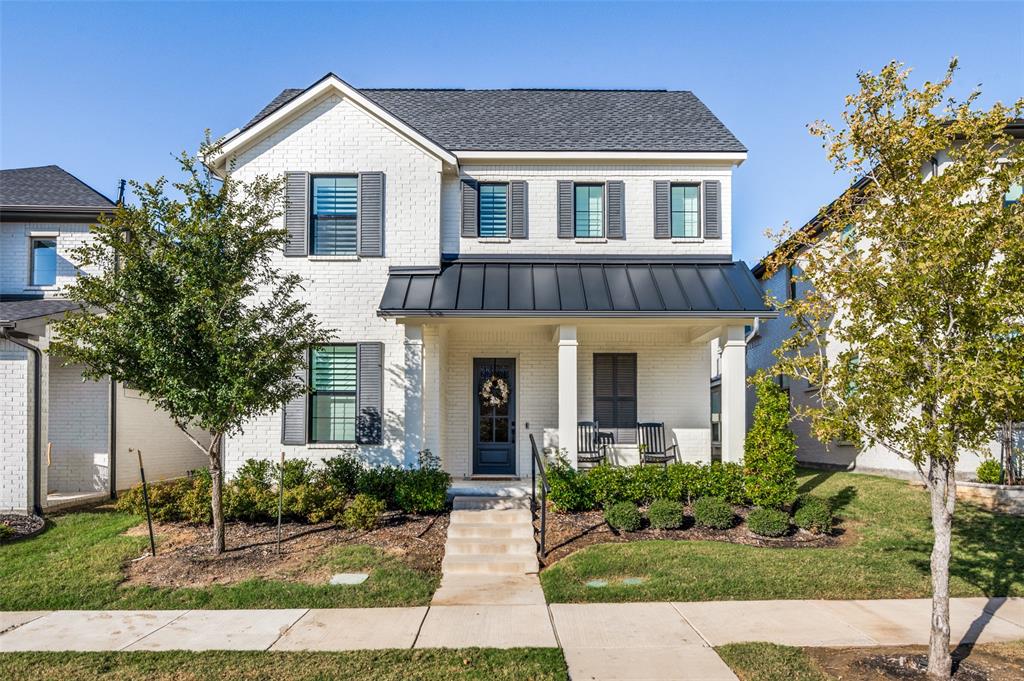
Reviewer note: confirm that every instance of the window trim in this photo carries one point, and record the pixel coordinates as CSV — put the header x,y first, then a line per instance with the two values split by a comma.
x,y
32,260
700,209
479,208
310,439
791,283
603,212
311,215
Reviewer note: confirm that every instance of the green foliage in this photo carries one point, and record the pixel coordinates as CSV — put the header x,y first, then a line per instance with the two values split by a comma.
x,y
6,531
422,490
990,471
623,515
379,482
571,491
251,494
665,514
768,522
363,513
693,481
813,514
182,500
713,512
606,484
770,448
342,473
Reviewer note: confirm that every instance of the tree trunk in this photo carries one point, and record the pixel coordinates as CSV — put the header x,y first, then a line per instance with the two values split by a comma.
x,y
942,487
217,479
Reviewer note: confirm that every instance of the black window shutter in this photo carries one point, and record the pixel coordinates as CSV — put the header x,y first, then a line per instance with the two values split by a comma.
x,y
565,209
296,213
713,209
615,394
517,209
371,214
662,210
370,393
470,206
293,414
615,197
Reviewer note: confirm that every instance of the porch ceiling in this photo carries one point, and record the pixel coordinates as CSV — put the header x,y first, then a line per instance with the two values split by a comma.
x,y
576,289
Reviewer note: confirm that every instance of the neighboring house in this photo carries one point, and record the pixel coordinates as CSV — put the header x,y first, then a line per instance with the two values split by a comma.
x,y
495,264
57,431
769,335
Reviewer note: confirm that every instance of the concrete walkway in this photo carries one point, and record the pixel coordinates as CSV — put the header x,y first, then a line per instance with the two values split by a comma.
x,y
600,640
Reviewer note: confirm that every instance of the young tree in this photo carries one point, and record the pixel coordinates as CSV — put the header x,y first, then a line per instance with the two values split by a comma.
x,y
912,327
769,452
189,309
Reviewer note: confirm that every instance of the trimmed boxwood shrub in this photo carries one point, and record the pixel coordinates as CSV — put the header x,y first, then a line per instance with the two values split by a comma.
x,y
689,481
665,514
768,522
990,471
571,490
813,513
769,454
713,512
623,515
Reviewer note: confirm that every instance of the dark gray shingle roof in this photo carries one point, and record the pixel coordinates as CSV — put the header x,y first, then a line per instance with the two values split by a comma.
x,y
581,288
48,187
20,310
551,120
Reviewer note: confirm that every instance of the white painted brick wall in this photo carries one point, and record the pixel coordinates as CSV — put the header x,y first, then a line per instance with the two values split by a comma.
x,y
15,242
78,431
334,136
542,210
15,428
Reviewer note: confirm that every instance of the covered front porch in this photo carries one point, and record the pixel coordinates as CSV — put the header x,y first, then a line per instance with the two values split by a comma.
x,y
477,389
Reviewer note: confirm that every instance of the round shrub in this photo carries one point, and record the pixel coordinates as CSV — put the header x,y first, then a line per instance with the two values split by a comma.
x,y
713,512
990,471
606,484
342,472
363,513
623,515
422,490
768,522
813,514
665,514
571,491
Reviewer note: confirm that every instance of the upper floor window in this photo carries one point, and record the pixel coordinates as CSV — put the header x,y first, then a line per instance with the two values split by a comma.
x,y
685,210
589,211
333,222
44,262
792,279
1013,194
333,379
493,210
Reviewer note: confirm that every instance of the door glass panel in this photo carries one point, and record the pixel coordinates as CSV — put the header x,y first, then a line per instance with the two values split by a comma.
x,y
501,429
486,430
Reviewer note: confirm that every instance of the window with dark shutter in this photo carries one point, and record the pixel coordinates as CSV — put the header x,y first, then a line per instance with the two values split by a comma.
x,y
493,210
332,402
334,224
615,394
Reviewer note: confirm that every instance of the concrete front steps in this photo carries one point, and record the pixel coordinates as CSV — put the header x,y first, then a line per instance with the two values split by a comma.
x,y
490,557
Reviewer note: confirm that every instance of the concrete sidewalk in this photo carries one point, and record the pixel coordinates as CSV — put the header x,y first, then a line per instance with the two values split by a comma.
x,y
600,640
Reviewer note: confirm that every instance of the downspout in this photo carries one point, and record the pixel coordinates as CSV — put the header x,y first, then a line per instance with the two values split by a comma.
x,y
753,330
37,418
112,458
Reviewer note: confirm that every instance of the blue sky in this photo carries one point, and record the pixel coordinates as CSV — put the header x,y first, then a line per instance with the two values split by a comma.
x,y
111,90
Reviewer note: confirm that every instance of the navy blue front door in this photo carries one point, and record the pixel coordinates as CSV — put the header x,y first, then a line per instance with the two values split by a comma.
x,y
494,417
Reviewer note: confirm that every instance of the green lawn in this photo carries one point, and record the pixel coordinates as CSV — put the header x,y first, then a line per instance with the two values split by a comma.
x,y
888,559
76,564
385,665
770,662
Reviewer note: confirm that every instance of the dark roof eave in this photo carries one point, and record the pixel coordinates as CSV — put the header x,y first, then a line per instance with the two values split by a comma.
x,y
582,314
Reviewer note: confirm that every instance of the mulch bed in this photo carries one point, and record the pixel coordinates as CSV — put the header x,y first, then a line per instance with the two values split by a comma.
x,y
911,664
184,560
568,533
24,526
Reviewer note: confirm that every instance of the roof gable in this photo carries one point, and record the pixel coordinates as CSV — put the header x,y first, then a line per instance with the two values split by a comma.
x,y
50,188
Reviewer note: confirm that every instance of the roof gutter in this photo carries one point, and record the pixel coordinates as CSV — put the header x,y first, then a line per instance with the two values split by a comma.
x,y
7,333
578,314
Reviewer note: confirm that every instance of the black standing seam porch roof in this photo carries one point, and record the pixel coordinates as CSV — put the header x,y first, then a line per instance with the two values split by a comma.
x,y
582,289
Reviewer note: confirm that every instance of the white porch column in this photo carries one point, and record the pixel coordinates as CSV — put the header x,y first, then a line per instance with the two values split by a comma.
x,y
433,360
734,392
413,392
567,412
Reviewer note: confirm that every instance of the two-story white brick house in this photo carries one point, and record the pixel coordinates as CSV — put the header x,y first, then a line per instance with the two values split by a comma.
x,y
496,264
63,440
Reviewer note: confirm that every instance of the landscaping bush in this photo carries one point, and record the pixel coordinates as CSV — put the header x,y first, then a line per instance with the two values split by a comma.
x,y
379,483
768,522
6,532
165,501
813,514
422,490
250,496
606,484
363,513
769,452
689,481
644,484
665,514
195,502
571,491
342,473
623,515
713,512
990,471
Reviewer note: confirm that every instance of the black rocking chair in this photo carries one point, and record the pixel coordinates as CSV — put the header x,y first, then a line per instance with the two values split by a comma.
x,y
591,448
650,438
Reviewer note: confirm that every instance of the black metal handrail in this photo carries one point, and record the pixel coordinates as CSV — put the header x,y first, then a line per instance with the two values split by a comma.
x,y
542,510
